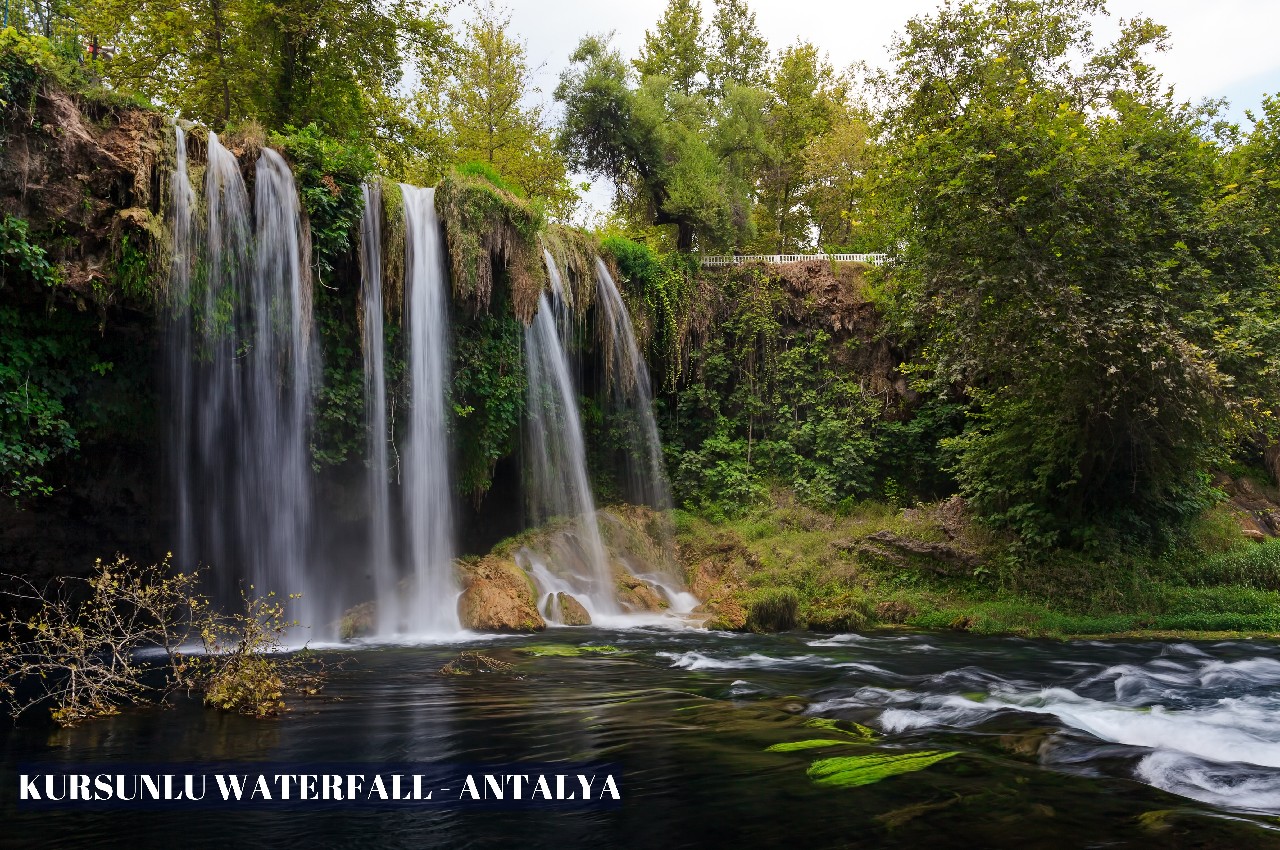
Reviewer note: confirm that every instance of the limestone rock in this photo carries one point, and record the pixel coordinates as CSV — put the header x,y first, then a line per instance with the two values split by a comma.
x,y
571,611
635,595
498,597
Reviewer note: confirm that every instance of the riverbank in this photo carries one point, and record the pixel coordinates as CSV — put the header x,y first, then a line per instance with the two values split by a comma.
x,y
788,566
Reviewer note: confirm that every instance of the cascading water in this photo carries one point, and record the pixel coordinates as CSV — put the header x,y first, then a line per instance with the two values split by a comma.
x,y
276,490
182,202
432,602
381,565
243,364
632,395
557,456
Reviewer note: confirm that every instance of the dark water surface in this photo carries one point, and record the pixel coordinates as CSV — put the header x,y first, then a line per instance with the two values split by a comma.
x,y
1085,744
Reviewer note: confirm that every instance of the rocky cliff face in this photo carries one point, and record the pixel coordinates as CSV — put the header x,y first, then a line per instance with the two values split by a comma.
x,y
88,176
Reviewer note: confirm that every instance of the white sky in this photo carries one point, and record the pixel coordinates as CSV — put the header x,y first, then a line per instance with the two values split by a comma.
x,y
1223,48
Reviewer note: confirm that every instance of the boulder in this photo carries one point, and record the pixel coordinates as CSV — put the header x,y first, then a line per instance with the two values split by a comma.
x,y
572,613
635,595
498,597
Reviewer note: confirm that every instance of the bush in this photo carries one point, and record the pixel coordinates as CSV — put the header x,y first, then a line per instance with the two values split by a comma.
x,y
78,653
774,610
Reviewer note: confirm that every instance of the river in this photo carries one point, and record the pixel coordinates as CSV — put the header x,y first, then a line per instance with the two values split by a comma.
x,y
1078,744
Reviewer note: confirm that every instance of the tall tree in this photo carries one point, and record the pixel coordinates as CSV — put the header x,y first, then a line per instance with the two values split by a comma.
x,y
490,118
806,95
331,62
673,153
837,166
1062,248
739,54
677,48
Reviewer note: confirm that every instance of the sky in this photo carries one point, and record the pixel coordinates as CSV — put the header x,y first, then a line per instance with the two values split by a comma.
x,y
1224,48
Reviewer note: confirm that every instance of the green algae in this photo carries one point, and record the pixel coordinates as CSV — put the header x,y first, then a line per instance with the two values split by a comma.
x,y
853,771
812,744
563,650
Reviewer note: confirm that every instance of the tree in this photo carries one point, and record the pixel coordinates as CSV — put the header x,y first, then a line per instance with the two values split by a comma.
x,y
805,97
835,179
677,48
676,155
281,62
489,120
1065,256
739,54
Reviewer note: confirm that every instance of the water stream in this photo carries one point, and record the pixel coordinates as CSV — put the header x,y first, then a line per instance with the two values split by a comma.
x,y
1083,744
559,485
431,603
241,373
381,566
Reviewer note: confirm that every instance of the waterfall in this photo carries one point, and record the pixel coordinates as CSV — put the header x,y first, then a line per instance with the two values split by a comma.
x,y
557,456
381,565
632,395
242,365
432,602
178,345
276,491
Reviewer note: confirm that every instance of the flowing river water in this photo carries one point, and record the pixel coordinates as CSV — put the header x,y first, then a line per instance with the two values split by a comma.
x,y
1079,744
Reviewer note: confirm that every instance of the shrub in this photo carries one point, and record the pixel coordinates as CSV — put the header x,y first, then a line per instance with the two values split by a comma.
x,y
774,610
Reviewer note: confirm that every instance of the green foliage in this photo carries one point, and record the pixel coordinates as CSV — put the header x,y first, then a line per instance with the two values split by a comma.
x,y
664,285
335,63
1065,250
20,258
487,108
56,380
339,429
764,402
34,392
676,48
483,222
329,172
244,667
488,395
677,157
24,60
1252,565
774,610
133,276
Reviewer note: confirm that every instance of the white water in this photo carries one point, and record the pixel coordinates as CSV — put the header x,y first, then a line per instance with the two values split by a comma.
x,y
277,424
430,606
178,345
1211,727
557,457
381,565
242,364
632,396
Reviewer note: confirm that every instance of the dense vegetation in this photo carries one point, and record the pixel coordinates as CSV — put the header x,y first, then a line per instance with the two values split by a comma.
x,y
1079,326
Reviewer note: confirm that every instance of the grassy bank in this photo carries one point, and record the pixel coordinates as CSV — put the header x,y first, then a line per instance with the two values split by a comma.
x,y
789,566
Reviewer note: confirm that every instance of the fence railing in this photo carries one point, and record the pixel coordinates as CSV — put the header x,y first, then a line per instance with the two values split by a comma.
x,y
869,259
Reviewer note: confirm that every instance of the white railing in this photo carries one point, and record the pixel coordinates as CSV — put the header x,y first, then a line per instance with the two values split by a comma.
x,y
869,259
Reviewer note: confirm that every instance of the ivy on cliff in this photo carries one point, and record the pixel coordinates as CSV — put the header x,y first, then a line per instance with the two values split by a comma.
x,y
329,173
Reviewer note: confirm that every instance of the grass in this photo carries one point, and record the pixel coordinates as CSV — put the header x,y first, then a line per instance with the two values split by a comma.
x,y
796,567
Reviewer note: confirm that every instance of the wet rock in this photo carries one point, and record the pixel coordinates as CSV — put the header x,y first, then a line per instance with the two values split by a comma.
x,y
572,613
498,597
634,595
